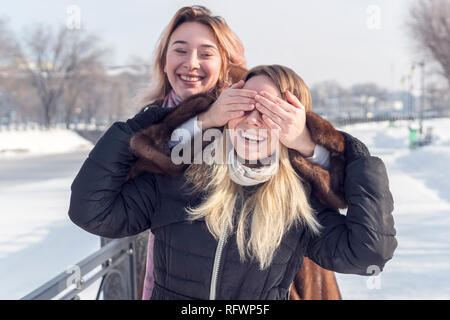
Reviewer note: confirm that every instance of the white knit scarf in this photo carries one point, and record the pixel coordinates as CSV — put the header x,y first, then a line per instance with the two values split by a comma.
x,y
248,176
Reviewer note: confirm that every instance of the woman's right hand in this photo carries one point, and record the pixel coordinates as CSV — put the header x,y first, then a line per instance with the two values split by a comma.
x,y
232,103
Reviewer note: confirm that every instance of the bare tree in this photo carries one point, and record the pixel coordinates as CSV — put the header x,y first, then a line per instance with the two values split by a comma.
x,y
429,27
57,63
330,98
368,94
8,46
84,93
12,84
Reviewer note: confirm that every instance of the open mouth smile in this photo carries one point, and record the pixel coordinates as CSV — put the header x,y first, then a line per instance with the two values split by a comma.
x,y
190,78
252,138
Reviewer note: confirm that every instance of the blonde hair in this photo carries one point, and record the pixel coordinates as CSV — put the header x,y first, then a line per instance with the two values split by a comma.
x,y
267,214
231,51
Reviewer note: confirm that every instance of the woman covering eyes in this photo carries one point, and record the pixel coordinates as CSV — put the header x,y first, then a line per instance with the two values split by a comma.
x,y
265,193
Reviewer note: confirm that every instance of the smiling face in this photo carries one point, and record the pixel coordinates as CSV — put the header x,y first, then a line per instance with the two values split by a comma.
x,y
193,61
251,137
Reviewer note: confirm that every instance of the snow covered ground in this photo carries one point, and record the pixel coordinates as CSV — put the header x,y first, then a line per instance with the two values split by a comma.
x,y
37,240
32,142
420,184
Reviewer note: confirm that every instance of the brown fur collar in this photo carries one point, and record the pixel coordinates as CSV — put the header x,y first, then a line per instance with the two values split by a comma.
x,y
150,145
312,282
328,185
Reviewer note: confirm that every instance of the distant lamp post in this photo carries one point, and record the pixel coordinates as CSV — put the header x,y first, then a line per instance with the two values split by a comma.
x,y
414,66
422,98
404,88
410,90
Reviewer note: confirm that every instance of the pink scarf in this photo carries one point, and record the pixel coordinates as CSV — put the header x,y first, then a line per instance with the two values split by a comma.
x,y
172,100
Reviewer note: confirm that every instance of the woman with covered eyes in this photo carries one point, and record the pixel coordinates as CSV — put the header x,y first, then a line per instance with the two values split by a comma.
x,y
239,226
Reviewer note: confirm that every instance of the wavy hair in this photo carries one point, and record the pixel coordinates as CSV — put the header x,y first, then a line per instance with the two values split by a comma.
x,y
262,218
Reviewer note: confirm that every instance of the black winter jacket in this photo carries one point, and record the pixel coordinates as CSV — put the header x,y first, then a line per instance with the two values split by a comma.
x,y
187,264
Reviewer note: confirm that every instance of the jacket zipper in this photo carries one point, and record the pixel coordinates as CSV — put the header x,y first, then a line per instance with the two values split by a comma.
x,y
216,266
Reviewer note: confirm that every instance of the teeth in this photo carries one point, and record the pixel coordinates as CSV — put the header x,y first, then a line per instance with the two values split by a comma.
x,y
186,78
252,137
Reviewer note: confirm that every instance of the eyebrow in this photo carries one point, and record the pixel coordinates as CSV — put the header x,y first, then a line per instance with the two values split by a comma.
x,y
185,42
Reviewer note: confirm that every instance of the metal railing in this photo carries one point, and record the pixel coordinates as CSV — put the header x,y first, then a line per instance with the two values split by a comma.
x,y
348,120
101,264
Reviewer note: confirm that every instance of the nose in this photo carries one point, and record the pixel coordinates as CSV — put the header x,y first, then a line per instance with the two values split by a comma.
x,y
192,61
254,118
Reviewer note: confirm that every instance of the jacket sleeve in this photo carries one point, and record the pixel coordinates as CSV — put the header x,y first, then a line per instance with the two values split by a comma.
x,y
103,201
365,236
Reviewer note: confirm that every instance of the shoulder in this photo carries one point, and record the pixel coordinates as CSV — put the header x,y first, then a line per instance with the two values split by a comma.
x,y
148,115
157,103
354,148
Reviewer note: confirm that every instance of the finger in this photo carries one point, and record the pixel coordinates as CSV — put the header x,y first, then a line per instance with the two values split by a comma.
x,y
273,107
236,92
239,84
292,99
234,114
239,100
270,114
278,101
241,107
272,125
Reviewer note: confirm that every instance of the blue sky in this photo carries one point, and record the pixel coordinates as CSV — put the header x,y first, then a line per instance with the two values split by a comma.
x,y
321,40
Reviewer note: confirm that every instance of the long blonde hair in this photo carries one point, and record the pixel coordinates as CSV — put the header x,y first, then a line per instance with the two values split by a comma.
x,y
266,215
231,51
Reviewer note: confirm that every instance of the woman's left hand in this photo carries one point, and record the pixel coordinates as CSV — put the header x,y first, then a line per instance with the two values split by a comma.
x,y
288,118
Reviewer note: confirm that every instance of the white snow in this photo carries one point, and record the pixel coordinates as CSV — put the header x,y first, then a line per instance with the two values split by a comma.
x,y
38,142
38,241
420,184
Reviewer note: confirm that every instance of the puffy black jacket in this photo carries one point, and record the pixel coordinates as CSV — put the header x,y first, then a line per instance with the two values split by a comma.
x,y
186,258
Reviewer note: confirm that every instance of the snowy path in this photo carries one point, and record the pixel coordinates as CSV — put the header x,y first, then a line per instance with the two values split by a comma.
x,y
37,240
420,184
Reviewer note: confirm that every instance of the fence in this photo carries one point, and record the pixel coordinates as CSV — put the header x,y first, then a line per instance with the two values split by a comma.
x,y
101,264
34,126
88,130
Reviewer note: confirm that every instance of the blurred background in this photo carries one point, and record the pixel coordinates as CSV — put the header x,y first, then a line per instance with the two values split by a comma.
x,y
377,69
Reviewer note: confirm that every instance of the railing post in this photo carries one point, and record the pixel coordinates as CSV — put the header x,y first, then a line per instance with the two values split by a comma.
x,y
132,270
68,285
112,289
